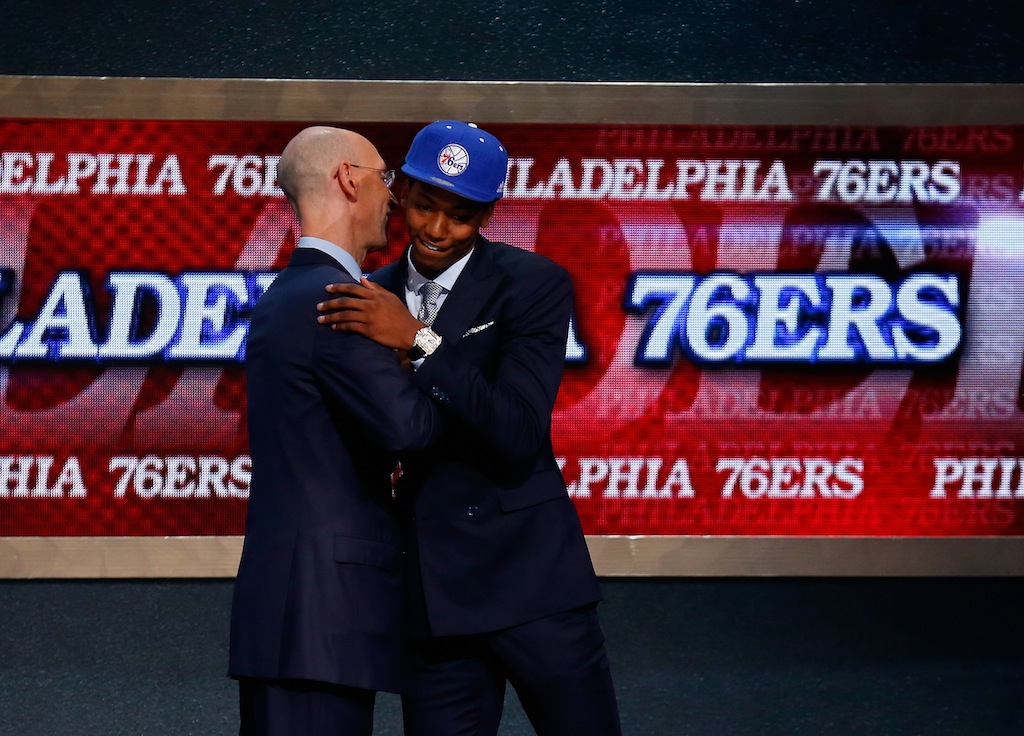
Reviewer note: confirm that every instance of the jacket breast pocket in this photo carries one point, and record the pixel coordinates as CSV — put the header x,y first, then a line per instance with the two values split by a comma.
x,y
359,551
483,342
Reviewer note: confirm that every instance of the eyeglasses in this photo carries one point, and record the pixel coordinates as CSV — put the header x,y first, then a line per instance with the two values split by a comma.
x,y
388,175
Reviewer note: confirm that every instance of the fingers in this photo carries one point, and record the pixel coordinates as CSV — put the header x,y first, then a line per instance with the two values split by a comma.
x,y
334,318
348,326
350,303
357,327
355,321
342,309
365,282
354,290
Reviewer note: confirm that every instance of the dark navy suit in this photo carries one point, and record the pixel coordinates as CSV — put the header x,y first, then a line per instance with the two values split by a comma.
x,y
320,592
495,539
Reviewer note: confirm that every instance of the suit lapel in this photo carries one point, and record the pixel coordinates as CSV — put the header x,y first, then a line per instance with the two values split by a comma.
x,y
393,276
475,286
472,291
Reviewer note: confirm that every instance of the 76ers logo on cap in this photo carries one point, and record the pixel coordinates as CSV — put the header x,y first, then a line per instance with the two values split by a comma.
x,y
453,159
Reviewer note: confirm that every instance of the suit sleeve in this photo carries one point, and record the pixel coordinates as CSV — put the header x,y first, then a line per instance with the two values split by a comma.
x,y
369,381
511,412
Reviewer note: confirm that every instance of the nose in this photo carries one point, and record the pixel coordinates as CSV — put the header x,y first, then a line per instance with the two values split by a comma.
x,y
392,200
437,226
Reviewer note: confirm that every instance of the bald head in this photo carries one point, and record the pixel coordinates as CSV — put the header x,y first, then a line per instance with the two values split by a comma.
x,y
310,160
334,180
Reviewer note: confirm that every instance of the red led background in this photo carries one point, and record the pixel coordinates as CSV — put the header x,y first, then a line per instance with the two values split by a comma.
x,y
643,447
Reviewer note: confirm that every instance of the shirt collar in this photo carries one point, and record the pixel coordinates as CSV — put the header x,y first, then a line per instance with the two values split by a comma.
x,y
342,256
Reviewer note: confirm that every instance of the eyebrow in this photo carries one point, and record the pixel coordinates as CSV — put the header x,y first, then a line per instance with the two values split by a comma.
x,y
467,208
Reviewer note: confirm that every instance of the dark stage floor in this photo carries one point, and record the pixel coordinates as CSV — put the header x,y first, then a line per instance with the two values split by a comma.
x,y
736,657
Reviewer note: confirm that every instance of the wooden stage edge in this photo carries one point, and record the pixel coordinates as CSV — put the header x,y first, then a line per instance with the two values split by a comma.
x,y
614,556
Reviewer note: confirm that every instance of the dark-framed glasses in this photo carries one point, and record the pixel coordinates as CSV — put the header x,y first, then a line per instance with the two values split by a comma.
x,y
388,175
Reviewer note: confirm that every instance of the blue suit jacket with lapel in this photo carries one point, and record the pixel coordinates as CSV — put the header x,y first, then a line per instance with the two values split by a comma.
x,y
320,592
498,539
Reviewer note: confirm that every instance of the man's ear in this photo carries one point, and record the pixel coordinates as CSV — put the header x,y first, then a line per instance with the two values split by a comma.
x,y
346,182
487,213
404,191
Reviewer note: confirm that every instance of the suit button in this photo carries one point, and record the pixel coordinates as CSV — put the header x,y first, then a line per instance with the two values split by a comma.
x,y
471,511
438,394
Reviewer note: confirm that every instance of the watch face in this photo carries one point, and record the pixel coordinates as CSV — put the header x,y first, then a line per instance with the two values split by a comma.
x,y
425,342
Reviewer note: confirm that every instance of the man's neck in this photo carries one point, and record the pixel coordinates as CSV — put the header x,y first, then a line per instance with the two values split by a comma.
x,y
340,238
342,255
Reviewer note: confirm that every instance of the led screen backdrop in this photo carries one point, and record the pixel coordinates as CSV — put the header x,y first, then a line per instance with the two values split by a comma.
x,y
779,330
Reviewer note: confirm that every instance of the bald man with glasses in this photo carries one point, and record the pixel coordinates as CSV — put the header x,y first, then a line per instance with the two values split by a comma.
x,y
318,622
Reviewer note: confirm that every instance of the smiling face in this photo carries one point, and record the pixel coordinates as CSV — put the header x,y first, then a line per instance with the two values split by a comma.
x,y
442,226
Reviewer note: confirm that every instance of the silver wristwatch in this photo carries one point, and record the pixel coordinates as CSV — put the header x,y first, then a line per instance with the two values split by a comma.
x,y
425,342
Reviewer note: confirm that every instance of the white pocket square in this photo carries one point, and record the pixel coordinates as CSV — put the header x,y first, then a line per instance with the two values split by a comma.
x,y
478,328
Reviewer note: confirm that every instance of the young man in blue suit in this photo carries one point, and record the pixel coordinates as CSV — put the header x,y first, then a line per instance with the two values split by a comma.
x,y
318,621
503,589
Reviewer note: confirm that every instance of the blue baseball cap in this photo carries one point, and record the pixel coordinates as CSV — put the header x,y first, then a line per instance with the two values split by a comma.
x,y
459,157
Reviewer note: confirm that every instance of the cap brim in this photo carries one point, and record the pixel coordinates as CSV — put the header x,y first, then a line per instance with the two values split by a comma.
x,y
450,185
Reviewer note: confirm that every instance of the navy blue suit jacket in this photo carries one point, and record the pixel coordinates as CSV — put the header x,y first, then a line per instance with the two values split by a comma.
x,y
320,592
498,539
